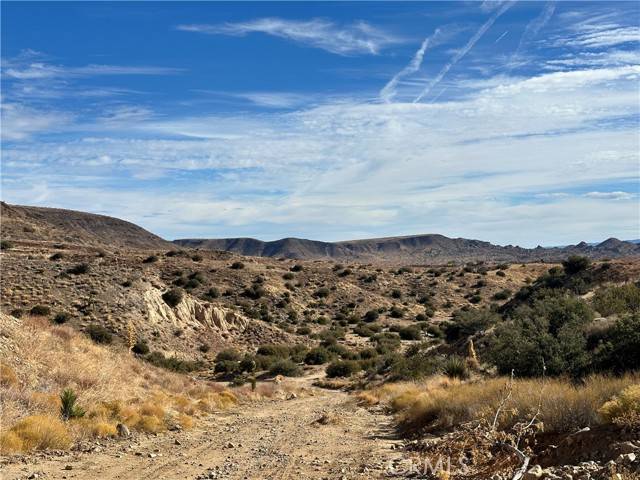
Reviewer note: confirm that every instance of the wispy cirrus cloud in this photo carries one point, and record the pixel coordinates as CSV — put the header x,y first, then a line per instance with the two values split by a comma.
x,y
464,50
355,39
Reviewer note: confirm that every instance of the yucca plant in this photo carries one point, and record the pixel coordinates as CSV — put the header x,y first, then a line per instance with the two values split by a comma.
x,y
68,407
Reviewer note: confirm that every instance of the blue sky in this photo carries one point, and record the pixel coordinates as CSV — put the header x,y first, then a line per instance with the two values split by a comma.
x,y
512,122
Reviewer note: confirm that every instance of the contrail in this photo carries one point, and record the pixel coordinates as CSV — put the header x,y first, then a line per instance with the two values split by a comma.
x,y
536,24
458,56
502,36
389,90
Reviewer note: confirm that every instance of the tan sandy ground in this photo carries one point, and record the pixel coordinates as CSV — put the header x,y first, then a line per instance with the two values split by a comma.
x,y
274,439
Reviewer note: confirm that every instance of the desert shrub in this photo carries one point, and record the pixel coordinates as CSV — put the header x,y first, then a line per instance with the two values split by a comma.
x,y
502,294
297,268
150,259
624,408
99,334
68,405
264,362
273,350
227,366
40,311
410,333
371,316
36,432
395,293
412,367
549,333
16,312
79,269
618,350
386,342
228,354
322,292
172,363
303,330
173,297
396,312
288,276
6,245
254,292
61,318
141,347
212,293
317,356
455,367
342,368
56,256
575,264
435,331
616,300
500,273
286,368
237,266
196,257
466,323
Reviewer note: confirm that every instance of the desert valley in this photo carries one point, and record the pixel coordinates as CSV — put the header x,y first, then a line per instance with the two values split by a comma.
x,y
125,352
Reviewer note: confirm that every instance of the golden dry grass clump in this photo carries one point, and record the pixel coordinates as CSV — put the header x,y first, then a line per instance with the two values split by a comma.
x,y
40,361
441,404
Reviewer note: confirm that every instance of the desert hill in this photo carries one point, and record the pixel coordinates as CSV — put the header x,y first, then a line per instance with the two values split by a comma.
x,y
415,249
69,226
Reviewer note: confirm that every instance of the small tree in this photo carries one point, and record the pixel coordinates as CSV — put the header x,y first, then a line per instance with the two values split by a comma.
x,y
68,407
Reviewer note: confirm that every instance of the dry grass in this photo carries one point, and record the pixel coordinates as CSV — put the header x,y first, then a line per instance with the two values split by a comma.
x,y
36,432
112,386
624,409
438,404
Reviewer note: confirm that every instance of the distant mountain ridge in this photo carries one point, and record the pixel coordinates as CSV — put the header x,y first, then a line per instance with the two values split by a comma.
x,y
70,226
429,248
40,224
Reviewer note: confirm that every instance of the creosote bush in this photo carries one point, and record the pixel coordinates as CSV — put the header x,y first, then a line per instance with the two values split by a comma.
x,y
40,311
342,368
79,269
173,297
99,334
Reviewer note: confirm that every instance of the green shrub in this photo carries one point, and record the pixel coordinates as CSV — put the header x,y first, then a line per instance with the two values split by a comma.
x,y
68,406
619,351
317,356
61,318
410,333
56,256
466,323
172,363
274,350
79,269
396,312
342,368
16,312
237,266
40,311
616,300
297,268
371,316
6,245
99,334
227,366
322,292
173,297
286,368
413,367
150,259
140,347
575,264
502,294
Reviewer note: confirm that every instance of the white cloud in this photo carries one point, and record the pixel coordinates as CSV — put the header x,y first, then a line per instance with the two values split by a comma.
x,y
347,169
20,122
359,38
611,195
41,70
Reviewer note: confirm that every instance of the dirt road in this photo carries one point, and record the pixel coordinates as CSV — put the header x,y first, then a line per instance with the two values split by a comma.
x,y
274,439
